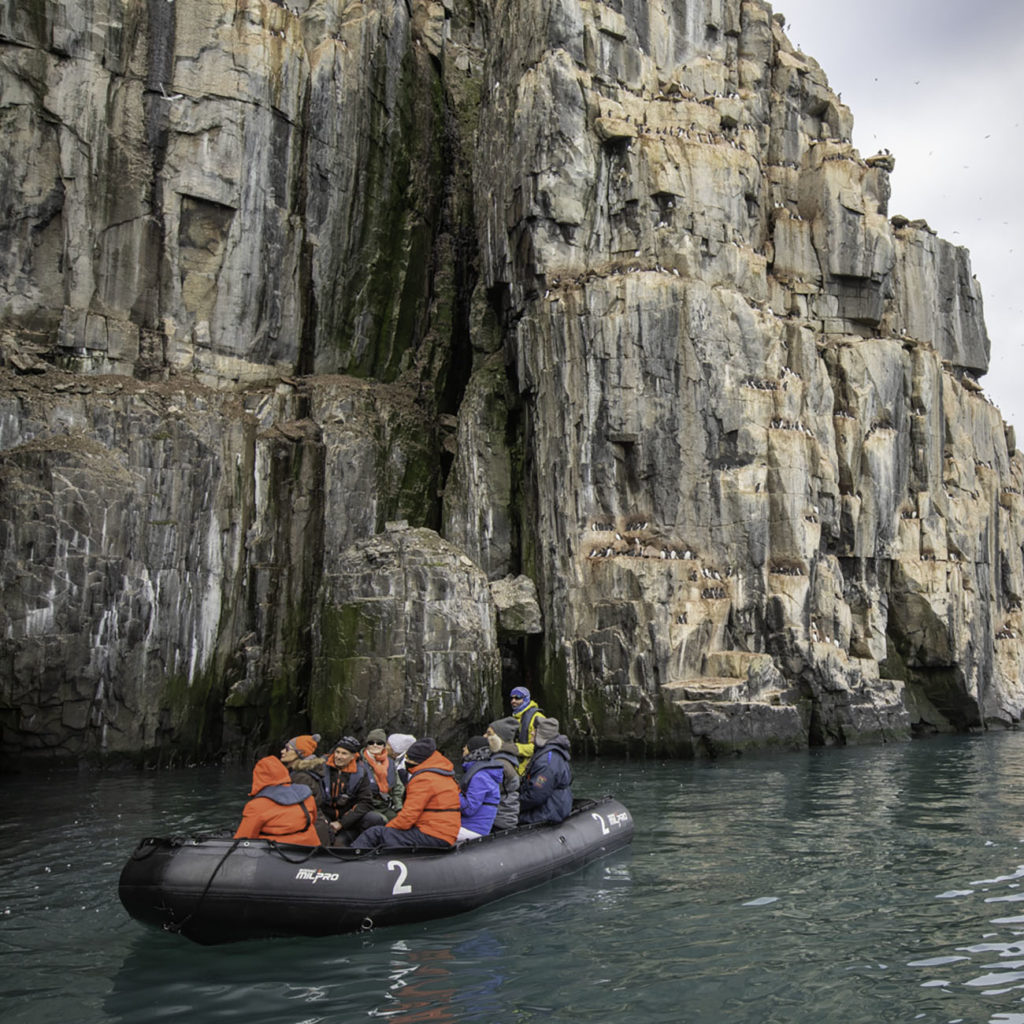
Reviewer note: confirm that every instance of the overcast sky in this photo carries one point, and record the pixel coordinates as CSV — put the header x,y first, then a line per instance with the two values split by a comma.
x,y
939,83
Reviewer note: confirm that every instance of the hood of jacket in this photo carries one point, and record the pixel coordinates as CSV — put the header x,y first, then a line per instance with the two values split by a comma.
x,y
269,771
559,742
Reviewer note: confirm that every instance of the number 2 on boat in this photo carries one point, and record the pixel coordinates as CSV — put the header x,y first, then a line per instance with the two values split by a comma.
x,y
403,872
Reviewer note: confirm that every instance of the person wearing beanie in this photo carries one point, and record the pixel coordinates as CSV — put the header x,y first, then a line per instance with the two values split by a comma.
x,y
299,756
430,815
419,751
526,713
503,750
546,790
299,747
386,785
480,789
279,809
349,795
398,744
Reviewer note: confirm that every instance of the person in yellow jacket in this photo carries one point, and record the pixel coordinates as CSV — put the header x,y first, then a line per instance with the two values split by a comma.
x,y
430,814
527,714
279,809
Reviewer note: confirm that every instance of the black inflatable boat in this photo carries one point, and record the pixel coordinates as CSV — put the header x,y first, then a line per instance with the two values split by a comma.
x,y
224,890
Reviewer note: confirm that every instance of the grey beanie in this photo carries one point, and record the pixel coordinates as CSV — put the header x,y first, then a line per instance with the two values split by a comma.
x,y
506,728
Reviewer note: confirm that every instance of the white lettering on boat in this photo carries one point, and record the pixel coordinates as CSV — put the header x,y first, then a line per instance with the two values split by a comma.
x,y
403,873
315,875
612,820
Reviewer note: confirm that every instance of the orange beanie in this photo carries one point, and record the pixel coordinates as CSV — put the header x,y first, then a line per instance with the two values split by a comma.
x,y
304,746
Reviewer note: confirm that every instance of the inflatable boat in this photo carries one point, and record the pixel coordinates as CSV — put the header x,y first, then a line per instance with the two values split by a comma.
x,y
224,890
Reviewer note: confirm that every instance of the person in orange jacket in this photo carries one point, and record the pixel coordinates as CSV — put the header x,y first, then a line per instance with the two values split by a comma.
x,y
279,809
430,815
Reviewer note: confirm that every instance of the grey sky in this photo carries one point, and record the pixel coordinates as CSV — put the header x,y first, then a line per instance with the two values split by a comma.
x,y
939,83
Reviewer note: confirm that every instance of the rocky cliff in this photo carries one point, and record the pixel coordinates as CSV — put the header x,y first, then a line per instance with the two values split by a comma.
x,y
360,358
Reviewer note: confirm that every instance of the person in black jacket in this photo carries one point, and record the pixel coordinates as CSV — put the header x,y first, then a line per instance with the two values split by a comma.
x,y
546,790
349,794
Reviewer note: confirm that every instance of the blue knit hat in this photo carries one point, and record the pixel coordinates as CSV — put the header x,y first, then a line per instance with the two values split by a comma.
x,y
520,691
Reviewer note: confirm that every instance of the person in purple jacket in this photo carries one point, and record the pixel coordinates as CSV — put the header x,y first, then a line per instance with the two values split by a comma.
x,y
480,789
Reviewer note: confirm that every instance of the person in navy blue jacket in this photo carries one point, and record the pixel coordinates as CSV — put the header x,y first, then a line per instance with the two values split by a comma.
x,y
546,790
480,789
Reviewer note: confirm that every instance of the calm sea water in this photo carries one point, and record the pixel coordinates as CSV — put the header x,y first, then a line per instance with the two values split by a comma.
x,y
875,885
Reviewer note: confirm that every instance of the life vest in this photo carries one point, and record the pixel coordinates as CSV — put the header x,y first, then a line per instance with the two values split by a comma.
x,y
334,780
286,795
529,714
479,766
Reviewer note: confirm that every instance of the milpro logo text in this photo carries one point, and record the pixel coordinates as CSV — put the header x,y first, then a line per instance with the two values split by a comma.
x,y
314,875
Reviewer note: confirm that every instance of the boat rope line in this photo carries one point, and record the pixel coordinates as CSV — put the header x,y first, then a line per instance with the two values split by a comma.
x,y
176,926
301,859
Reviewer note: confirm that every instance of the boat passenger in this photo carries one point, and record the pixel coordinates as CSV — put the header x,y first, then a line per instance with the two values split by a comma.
x,y
349,795
398,744
307,769
526,713
430,814
279,809
501,739
387,787
480,789
546,790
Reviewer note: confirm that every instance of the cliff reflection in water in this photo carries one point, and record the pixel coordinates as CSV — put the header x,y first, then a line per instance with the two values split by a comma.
x,y
857,885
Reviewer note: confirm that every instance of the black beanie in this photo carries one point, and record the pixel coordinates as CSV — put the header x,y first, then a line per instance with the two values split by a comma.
x,y
477,743
420,751
350,743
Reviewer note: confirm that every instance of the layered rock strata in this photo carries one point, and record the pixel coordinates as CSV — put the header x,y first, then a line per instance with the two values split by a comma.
x,y
318,317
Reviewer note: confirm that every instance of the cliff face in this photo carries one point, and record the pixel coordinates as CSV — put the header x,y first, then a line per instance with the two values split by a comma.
x,y
321,322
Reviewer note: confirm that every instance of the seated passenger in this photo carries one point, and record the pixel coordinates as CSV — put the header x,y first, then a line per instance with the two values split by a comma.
x,y
278,809
501,739
480,789
545,793
298,755
430,815
398,744
348,795
386,785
